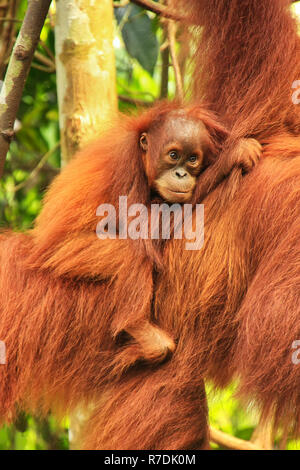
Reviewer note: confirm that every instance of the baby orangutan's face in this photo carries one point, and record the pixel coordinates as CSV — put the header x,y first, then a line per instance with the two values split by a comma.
x,y
182,145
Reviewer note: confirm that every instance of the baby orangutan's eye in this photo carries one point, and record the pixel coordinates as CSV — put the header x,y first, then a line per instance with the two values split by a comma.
x,y
173,154
193,158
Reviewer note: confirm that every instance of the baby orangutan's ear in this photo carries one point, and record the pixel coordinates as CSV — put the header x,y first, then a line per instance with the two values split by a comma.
x,y
144,142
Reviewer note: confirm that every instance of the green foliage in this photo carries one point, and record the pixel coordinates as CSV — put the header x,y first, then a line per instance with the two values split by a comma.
x,y
34,434
139,34
38,133
226,414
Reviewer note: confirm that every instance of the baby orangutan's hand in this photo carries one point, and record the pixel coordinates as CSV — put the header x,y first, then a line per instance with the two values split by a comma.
x,y
246,154
149,344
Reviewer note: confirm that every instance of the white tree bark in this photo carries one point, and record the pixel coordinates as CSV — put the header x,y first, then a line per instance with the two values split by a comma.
x,y
85,62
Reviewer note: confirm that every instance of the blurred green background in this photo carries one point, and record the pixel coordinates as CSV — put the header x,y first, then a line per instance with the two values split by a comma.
x,y
34,159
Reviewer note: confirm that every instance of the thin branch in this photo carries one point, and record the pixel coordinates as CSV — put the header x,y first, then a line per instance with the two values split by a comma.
x,y
135,101
17,71
231,442
165,59
121,4
263,434
172,46
7,32
37,169
137,93
45,60
157,8
47,50
11,20
124,18
164,81
42,68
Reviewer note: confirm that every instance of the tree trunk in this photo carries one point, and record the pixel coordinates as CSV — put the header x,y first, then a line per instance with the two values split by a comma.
x,y
17,71
85,63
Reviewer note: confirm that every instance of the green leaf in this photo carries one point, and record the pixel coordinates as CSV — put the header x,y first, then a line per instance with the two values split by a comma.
x,y
139,35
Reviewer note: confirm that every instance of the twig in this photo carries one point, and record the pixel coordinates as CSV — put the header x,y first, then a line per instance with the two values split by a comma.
x,y
230,442
42,68
11,20
45,60
157,8
135,101
263,434
17,71
121,4
172,46
124,18
165,58
164,73
37,169
47,49
137,93
7,31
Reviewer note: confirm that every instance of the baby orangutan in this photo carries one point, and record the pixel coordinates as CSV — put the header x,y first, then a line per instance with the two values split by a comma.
x,y
176,149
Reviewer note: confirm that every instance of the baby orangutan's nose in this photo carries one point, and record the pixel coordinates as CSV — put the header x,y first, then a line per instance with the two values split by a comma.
x,y
180,173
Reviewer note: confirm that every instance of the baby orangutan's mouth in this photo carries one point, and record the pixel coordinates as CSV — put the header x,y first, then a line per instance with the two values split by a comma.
x,y
179,192
178,195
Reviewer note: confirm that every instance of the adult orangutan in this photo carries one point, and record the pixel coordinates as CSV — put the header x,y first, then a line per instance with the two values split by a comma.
x,y
75,311
233,306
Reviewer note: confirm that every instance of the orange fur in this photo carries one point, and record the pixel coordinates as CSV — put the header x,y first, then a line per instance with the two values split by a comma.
x,y
67,297
234,305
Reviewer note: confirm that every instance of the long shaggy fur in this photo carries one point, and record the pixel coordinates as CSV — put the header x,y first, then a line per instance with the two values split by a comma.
x,y
233,307
246,59
66,296
243,288
163,408
238,297
244,284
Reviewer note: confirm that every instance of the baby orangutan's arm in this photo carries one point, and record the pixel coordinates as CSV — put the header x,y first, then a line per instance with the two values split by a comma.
x,y
245,154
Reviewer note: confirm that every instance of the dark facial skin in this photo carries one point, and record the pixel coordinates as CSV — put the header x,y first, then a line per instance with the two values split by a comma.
x,y
182,147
